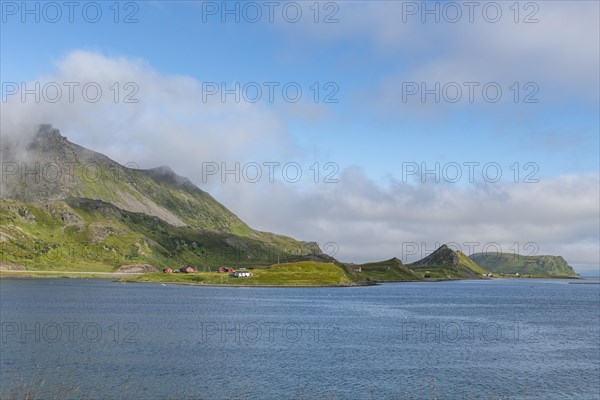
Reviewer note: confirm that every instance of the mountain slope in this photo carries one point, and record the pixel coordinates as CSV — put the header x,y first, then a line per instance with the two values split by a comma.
x,y
91,235
55,193
52,168
511,263
445,262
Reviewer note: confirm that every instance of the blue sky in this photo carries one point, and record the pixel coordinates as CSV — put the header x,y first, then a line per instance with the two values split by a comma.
x,y
172,38
374,50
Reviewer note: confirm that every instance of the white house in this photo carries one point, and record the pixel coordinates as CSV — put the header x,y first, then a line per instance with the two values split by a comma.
x,y
240,274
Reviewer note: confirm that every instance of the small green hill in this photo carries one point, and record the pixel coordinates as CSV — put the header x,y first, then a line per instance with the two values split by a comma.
x,y
447,263
303,273
511,263
392,270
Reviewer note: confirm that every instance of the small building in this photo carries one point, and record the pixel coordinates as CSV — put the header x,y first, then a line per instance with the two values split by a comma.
x,y
355,269
187,269
226,269
167,270
238,274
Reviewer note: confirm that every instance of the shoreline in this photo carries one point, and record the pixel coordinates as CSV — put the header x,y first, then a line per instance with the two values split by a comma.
x,y
243,285
117,278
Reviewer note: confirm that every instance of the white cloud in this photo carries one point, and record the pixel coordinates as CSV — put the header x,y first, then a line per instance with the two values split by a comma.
x,y
560,52
556,216
170,123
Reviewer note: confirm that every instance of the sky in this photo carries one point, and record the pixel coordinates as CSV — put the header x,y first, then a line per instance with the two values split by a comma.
x,y
378,129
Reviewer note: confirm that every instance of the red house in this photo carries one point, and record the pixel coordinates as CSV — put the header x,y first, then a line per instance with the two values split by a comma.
x,y
187,269
167,270
226,269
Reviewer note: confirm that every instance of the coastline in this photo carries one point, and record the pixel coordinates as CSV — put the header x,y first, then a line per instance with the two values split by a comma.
x,y
243,285
122,278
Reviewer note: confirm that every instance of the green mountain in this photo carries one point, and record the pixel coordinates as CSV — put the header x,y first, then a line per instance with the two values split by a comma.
x,y
511,263
445,262
66,207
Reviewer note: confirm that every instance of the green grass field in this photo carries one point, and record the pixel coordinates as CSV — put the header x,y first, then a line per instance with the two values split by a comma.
x,y
306,273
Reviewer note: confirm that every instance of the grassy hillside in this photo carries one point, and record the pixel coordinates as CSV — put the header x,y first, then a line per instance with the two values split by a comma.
x,y
91,235
511,263
466,262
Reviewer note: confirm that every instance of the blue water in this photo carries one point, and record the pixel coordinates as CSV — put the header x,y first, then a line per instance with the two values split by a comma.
x,y
515,339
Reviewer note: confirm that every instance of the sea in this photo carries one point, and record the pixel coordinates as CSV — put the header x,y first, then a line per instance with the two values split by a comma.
x,y
483,339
